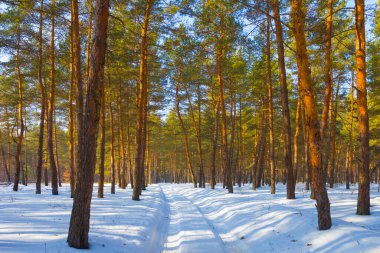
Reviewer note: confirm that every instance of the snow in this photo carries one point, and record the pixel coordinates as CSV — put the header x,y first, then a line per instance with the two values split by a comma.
x,y
178,218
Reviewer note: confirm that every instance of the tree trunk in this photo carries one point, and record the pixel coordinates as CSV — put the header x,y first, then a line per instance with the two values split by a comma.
x,y
43,101
348,167
318,182
102,145
326,157
219,59
141,107
259,154
363,205
215,146
232,133
88,45
77,73
197,129
8,141
290,185
331,171
185,135
80,216
216,104
71,118
50,123
112,147
5,164
59,168
129,154
199,145
270,112
19,116
121,140
328,82
25,165
296,137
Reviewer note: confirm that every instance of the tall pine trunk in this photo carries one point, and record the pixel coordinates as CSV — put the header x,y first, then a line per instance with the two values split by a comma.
x,y
290,185
328,83
88,44
270,112
121,141
50,123
219,58
318,181
348,165
71,117
77,70
43,101
102,145
141,107
112,146
20,134
363,204
331,171
80,216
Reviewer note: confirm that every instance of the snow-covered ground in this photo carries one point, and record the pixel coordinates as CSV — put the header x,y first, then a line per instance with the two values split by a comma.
x,y
179,218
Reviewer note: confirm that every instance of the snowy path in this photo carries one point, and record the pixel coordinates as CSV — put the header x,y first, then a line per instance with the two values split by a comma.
x,y
176,218
189,230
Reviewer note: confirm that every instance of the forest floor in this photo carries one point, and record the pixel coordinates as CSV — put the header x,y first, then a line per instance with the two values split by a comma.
x,y
179,218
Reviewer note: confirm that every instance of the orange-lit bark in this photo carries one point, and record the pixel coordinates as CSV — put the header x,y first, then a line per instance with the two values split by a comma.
x,y
141,107
318,181
363,205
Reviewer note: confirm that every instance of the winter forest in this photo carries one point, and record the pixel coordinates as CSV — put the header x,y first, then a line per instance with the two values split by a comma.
x,y
189,126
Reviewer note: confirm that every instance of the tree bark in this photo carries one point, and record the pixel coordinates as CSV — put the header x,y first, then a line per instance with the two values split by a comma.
x,y
216,104
71,117
363,204
112,147
8,141
270,112
197,128
121,141
296,137
290,185
88,45
318,182
77,72
43,98
19,116
327,79
219,59
102,145
59,168
333,138
326,156
185,135
50,123
141,107
80,216
348,167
